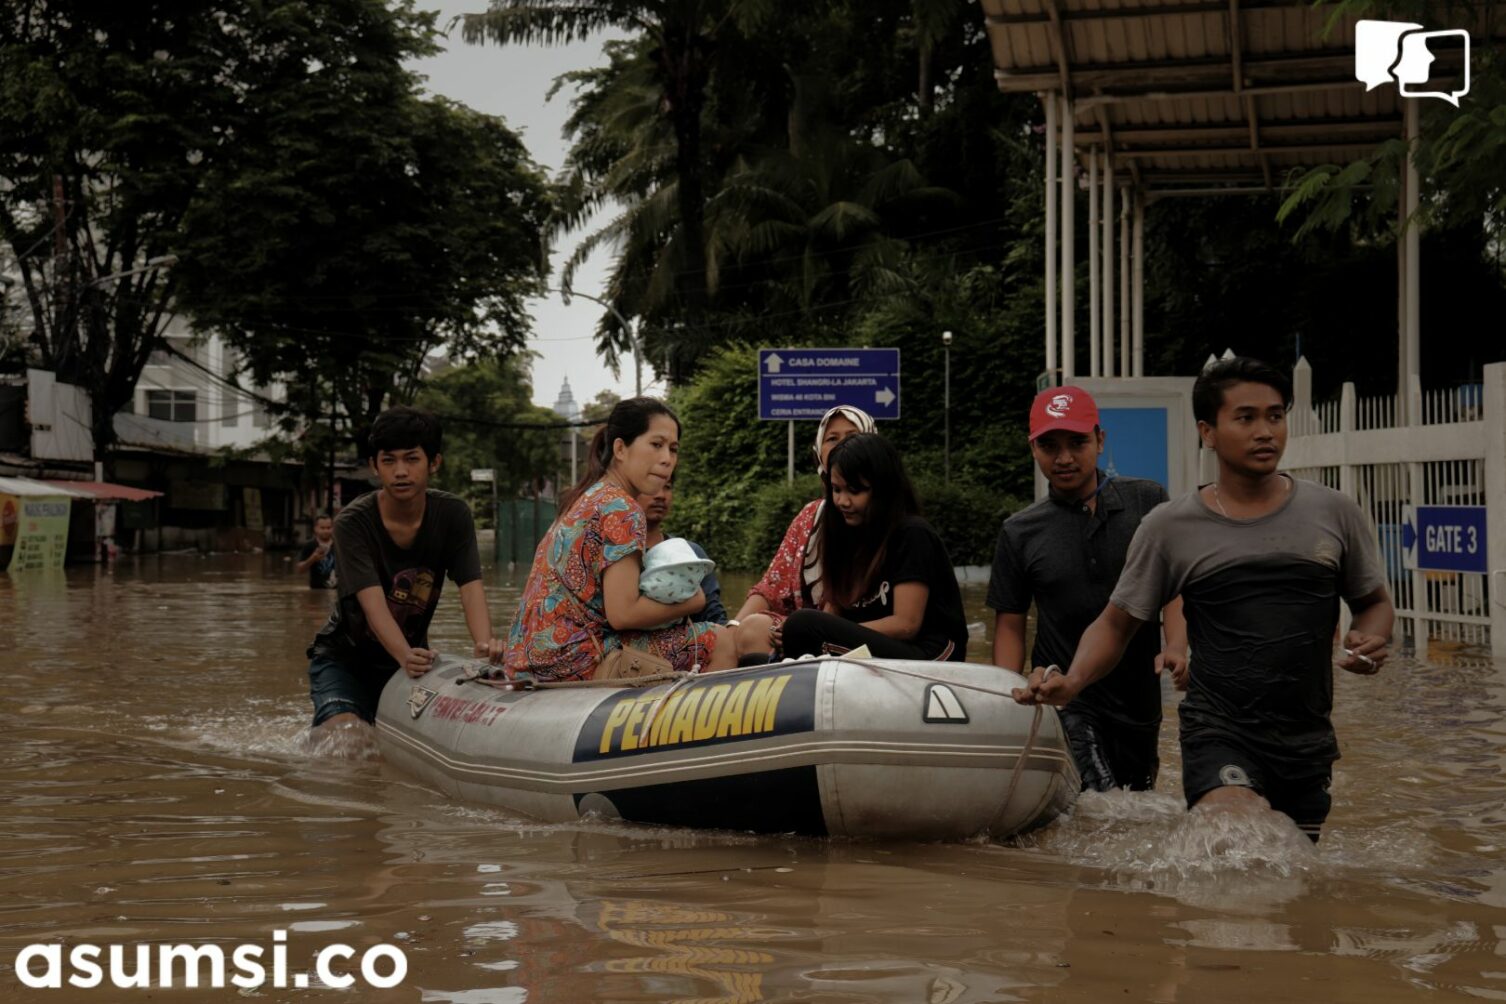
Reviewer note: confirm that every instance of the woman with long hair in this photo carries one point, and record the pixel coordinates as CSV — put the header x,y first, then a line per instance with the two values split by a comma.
x,y
793,578
886,579
581,600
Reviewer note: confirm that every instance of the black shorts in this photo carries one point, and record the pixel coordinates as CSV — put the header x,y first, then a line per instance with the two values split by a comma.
x,y
1111,755
1209,763
335,689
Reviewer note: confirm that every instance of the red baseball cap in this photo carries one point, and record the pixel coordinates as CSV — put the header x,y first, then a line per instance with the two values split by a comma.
x,y
1071,409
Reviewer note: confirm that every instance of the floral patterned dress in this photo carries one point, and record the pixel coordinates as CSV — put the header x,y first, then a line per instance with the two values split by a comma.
x,y
560,631
783,585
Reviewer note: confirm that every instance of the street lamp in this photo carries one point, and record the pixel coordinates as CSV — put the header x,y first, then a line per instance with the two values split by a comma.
x,y
946,401
632,332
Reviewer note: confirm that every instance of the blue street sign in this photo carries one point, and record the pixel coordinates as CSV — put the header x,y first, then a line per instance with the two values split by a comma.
x,y
1444,538
803,384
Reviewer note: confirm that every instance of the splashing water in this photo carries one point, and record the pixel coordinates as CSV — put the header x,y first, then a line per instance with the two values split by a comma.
x,y
1149,842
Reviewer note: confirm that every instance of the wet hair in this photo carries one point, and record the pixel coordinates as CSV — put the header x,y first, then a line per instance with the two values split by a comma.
x,y
629,420
851,557
1208,390
403,428
322,515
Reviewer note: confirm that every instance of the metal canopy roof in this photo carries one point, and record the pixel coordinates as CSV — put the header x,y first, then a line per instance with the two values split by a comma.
x,y
1197,96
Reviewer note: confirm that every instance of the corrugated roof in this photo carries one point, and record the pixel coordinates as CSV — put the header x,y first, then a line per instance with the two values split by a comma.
x,y
29,488
106,491
1198,94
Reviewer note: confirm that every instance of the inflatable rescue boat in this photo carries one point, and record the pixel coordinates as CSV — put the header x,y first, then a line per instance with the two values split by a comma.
x,y
831,746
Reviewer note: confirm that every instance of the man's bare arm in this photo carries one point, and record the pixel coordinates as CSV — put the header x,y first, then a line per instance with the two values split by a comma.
x,y
1099,651
1009,641
415,661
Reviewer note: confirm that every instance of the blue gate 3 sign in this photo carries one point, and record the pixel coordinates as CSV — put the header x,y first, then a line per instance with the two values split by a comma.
x,y
804,384
1444,538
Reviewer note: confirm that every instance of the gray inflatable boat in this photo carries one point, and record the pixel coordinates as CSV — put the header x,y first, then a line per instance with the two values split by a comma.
x,y
831,746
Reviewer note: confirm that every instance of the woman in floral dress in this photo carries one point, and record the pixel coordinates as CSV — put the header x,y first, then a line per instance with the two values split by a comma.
x,y
581,600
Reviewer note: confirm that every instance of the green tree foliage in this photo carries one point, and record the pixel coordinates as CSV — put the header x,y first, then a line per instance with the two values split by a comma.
x,y
599,407
356,227
819,223
108,115
487,409
826,184
680,42
995,353
1458,154
331,223
1212,267
726,456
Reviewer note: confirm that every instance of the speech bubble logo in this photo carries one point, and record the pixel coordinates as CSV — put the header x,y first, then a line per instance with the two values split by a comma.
x,y
1375,45
1414,64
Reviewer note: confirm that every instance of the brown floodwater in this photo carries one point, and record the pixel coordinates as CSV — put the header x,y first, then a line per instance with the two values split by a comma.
x,y
156,786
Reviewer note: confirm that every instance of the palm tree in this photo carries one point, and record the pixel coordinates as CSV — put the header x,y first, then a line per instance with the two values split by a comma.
x,y
682,36
620,177
824,221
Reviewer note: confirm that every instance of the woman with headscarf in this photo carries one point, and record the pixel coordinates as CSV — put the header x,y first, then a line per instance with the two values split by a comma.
x,y
793,579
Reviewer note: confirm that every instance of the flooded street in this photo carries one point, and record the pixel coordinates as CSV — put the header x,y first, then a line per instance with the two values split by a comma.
x,y
155,786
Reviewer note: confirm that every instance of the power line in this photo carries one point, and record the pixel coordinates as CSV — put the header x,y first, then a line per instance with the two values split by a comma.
x,y
461,419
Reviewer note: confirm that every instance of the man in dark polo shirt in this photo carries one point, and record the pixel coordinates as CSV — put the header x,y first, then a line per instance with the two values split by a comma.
x,y
1065,554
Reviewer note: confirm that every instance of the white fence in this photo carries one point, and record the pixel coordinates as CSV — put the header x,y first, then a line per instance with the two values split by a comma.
x,y
1451,452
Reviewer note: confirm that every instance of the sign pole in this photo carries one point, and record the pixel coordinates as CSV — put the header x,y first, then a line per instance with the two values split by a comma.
x,y
790,479
512,540
946,406
490,474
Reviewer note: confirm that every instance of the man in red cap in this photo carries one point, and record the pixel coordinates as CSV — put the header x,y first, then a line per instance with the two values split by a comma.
x,y
1064,554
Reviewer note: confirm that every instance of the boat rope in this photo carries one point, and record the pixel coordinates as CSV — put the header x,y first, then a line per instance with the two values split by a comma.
x,y
621,683
881,667
1024,757
653,713
1035,721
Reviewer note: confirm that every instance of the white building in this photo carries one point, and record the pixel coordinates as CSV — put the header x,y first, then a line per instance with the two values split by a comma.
x,y
196,397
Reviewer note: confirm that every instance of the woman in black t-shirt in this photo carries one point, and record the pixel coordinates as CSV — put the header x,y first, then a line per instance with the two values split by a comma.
x,y
887,581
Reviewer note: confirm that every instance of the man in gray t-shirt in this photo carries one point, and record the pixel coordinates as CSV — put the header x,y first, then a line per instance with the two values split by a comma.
x,y
1261,562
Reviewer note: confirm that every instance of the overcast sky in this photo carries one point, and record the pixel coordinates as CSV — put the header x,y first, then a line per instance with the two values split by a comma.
x,y
511,82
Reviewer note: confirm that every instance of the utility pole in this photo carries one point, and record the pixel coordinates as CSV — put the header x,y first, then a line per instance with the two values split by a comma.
x,y
946,401
333,401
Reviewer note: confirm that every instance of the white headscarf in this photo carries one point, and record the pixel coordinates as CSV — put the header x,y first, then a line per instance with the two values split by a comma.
x,y
810,571
857,416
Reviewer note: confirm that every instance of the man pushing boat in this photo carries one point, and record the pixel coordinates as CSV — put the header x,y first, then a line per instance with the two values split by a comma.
x,y
1261,561
393,549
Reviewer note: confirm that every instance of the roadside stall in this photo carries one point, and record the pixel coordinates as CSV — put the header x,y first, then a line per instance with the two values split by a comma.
x,y
106,521
34,518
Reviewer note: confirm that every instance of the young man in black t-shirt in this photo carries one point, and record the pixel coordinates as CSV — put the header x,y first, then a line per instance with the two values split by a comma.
x,y
393,549
317,556
1064,554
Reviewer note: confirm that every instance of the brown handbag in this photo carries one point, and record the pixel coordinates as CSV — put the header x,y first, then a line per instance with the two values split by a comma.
x,y
630,663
